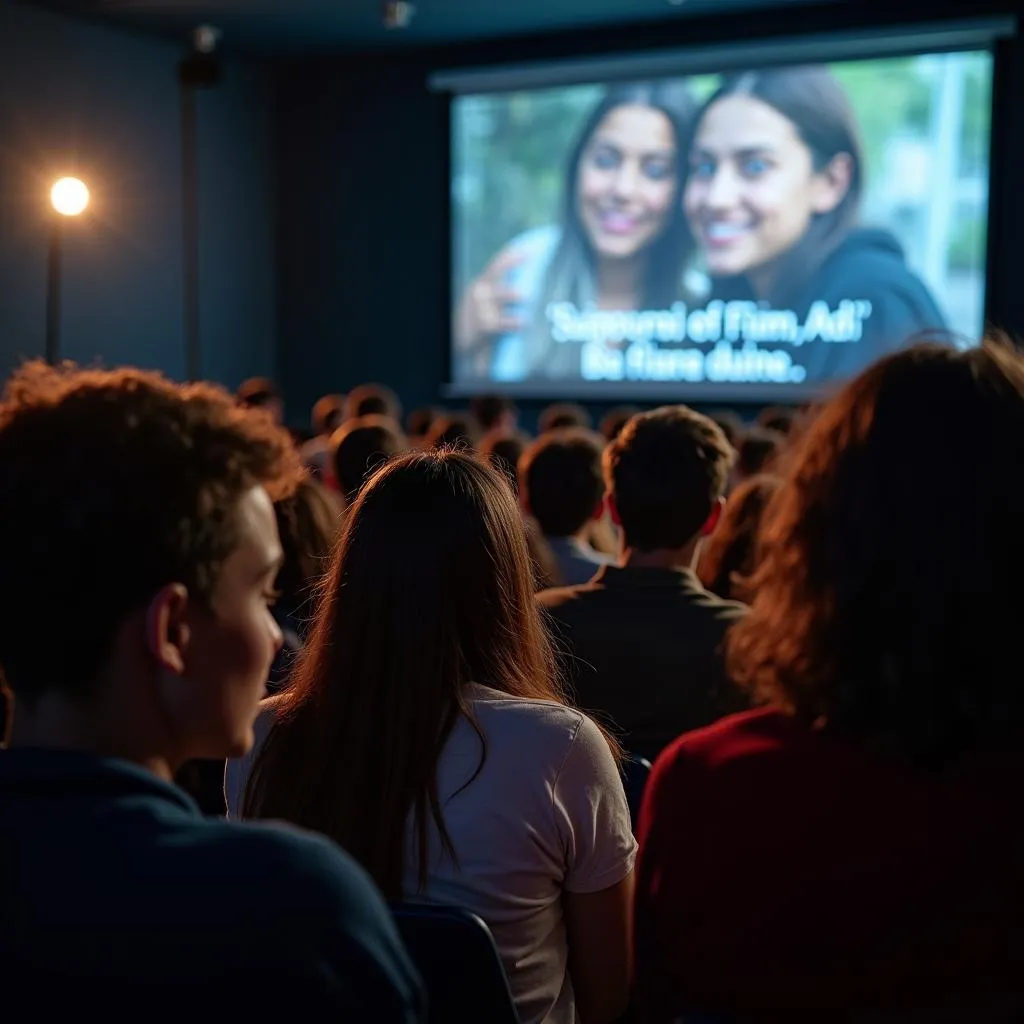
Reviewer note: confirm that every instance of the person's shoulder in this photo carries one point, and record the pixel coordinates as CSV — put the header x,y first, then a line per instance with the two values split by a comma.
x,y
714,608
545,709
536,721
721,607
281,881
870,264
306,871
315,449
735,737
867,247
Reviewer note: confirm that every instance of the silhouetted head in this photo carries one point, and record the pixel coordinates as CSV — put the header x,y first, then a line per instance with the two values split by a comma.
x,y
665,475
615,419
564,414
361,447
373,400
494,412
560,481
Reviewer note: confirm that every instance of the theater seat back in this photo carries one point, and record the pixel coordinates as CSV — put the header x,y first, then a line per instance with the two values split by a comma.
x,y
455,954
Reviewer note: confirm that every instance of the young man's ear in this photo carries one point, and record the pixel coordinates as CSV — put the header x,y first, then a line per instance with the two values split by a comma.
x,y
167,629
613,509
713,518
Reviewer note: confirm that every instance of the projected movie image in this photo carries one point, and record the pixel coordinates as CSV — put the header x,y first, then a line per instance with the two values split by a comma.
x,y
783,227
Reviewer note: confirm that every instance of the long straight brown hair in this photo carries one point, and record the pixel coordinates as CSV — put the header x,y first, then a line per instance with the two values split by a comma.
x,y
430,589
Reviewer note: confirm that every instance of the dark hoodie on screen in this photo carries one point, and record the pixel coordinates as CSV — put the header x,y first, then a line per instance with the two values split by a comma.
x,y
868,265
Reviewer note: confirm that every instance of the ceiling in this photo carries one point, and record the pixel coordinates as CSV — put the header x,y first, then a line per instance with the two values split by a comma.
x,y
322,24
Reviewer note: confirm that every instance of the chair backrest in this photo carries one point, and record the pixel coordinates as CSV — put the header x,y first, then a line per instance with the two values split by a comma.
x,y
455,954
635,773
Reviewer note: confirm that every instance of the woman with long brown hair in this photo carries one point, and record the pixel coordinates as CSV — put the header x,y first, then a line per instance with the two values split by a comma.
x,y
856,843
425,732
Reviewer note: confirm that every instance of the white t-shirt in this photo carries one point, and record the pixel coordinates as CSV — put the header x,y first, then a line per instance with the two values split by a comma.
x,y
547,812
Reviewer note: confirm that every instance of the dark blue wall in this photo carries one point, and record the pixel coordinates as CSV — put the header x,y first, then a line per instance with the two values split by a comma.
x,y
77,98
363,151
363,265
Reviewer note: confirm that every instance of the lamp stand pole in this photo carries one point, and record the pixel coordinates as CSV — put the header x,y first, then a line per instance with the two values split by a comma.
x,y
53,288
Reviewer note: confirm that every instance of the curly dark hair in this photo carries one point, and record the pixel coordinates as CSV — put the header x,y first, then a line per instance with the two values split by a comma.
x,y
888,602
112,485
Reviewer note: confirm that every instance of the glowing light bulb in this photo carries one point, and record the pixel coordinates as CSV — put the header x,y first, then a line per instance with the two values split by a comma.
x,y
69,196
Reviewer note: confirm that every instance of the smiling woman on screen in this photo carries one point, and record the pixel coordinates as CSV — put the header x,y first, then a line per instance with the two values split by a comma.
x,y
621,245
772,196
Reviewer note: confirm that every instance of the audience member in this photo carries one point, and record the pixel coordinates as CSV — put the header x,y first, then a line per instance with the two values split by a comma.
x,y
373,400
615,419
139,557
730,424
419,422
560,486
425,732
308,523
780,418
562,415
261,393
758,451
328,415
494,413
452,431
856,844
730,555
644,637
361,446
503,451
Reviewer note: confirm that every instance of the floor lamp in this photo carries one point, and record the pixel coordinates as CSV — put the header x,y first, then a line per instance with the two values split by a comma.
x,y
69,198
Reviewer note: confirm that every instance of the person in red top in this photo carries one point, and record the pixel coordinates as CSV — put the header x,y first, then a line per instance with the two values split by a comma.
x,y
856,845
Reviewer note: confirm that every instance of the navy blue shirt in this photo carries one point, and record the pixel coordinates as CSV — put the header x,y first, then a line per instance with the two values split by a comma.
x,y
116,894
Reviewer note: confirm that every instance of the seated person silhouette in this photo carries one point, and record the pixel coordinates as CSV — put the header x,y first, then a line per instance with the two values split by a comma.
x,y
560,487
644,638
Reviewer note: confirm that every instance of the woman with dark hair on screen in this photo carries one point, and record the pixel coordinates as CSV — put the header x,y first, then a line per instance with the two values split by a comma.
x,y
772,197
621,244
424,730
856,843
